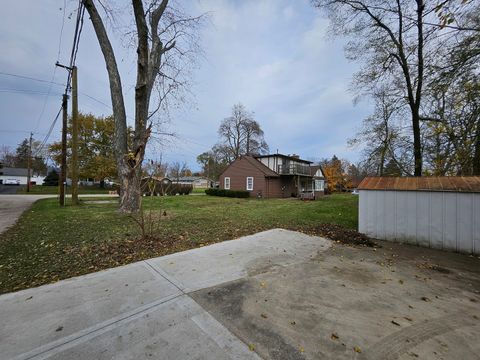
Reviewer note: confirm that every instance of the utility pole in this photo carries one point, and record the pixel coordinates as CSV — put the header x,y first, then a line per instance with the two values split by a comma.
x,y
29,162
63,166
74,136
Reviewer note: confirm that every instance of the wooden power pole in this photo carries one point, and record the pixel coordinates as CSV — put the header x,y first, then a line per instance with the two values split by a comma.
x,y
74,171
29,162
63,166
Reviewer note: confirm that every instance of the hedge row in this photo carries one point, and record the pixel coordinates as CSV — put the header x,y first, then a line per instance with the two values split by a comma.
x,y
228,193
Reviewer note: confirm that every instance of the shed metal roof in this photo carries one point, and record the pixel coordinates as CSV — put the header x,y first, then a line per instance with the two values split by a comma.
x,y
445,183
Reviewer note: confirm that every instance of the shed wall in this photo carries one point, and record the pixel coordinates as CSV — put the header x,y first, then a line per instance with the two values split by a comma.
x,y
443,220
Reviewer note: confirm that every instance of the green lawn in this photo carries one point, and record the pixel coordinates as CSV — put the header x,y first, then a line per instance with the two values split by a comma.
x,y
198,191
50,243
49,190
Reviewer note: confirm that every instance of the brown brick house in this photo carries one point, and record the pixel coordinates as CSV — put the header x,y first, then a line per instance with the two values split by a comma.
x,y
274,176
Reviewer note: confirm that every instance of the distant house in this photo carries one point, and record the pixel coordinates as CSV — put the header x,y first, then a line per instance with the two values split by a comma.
x,y
274,176
198,182
152,185
20,175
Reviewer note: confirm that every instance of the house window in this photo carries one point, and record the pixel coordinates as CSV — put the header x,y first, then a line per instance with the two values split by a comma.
x,y
226,183
319,184
249,183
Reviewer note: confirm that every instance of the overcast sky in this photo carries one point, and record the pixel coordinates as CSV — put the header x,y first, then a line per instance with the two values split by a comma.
x,y
273,56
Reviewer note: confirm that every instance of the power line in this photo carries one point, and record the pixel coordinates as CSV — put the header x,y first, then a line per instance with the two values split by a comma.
x,y
31,78
44,142
27,91
54,68
76,41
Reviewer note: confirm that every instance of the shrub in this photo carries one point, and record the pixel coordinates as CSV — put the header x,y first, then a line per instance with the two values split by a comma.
x,y
228,193
51,179
156,188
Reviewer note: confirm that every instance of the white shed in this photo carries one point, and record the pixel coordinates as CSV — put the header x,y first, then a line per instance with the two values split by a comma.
x,y
437,212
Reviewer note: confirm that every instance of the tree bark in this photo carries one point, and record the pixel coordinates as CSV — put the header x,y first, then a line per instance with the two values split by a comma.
x,y
148,62
476,154
128,186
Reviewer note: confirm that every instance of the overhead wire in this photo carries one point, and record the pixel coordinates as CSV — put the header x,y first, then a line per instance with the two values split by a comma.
x,y
73,56
54,68
31,78
44,142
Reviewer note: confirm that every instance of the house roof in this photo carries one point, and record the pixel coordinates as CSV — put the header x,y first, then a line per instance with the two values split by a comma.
x,y
290,157
263,168
14,171
156,178
314,168
191,178
446,183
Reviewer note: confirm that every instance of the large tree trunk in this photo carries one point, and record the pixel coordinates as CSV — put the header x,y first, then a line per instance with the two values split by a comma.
x,y
148,62
417,145
476,154
129,189
130,200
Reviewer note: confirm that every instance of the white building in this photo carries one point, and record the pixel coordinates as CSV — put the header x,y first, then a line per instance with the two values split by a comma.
x,y
18,175
437,212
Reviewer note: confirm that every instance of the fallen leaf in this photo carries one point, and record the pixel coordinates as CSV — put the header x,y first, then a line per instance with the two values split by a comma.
x,y
251,347
357,349
263,284
301,349
334,336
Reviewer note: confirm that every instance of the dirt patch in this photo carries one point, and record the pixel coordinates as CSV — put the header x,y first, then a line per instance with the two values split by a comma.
x,y
339,234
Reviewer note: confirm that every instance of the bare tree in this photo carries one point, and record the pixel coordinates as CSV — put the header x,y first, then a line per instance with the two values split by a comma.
x,y
7,156
383,137
161,34
178,170
240,134
392,39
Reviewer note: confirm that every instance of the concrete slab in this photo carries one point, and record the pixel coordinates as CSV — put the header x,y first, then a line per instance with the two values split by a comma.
x,y
284,294
142,310
35,320
177,329
230,260
397,302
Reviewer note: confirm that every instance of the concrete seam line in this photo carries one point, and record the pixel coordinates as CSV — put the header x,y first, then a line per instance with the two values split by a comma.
x,y
159,271
45,351
222,336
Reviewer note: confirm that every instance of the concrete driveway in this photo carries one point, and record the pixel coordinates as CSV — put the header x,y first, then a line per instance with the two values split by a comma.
x,y
12,206
274,295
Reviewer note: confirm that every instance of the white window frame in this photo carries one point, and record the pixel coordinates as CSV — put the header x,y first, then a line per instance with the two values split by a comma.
x,y
319,185
226,183
251,187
